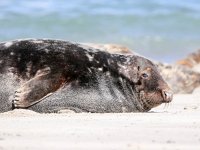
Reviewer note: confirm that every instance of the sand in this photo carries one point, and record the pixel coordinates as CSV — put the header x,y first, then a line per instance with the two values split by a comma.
x,y
173,127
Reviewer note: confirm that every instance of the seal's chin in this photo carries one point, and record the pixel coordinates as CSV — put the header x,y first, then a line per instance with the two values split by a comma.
x,y
151,104
152,99
166,102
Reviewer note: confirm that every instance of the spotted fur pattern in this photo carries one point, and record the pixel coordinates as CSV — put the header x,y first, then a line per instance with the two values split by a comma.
x,y
52,75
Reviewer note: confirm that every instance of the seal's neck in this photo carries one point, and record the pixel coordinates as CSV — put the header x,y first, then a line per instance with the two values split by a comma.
x,y
133,99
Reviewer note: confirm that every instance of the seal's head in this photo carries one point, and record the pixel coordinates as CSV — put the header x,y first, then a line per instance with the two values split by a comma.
x,y
148,82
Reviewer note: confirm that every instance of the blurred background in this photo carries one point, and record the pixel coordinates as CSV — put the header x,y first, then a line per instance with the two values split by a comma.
x,y
164,30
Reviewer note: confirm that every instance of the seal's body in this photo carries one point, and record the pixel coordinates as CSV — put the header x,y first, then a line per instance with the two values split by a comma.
x,y
51,75
192,61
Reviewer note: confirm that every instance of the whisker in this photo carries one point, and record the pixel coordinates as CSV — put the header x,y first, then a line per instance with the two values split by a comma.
x,y
164,106
169,104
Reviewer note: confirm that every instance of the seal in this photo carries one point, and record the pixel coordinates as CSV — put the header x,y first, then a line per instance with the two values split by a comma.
x,y
182,77
111,48
179,78
53,75
192,61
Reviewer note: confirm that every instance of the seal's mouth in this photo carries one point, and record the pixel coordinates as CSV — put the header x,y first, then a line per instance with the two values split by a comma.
x,y
152,99
167,96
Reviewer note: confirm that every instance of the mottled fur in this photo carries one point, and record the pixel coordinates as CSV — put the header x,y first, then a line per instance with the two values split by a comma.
x,y
51,75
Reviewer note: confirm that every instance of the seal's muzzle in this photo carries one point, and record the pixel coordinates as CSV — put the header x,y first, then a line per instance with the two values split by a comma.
x,y
167,96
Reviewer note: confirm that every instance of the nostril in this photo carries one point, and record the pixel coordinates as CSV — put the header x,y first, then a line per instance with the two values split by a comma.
x,y
167,95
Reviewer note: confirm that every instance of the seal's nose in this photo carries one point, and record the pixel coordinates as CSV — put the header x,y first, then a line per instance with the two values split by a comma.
x,y
167,95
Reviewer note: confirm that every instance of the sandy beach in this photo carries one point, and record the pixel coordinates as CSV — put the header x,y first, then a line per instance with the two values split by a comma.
x,y
176,126
166,32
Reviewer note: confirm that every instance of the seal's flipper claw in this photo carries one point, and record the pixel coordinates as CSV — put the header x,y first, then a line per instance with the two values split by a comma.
x,y
20,98
36,89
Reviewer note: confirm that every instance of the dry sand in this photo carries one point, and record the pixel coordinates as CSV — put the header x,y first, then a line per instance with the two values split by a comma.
x,y
176,127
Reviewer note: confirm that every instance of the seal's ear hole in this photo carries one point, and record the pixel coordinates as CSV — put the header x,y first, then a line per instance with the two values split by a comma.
x,y
138,68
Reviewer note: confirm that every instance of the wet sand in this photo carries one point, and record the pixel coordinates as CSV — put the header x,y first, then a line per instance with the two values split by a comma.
x,y
173,127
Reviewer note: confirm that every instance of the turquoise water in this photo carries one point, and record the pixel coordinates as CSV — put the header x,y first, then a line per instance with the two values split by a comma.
x,y
164,30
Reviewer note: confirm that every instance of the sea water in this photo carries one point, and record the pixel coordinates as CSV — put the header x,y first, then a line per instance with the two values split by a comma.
x,y
164,30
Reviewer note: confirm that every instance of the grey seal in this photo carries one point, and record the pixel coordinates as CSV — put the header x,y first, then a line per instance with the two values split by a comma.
x,y
51,75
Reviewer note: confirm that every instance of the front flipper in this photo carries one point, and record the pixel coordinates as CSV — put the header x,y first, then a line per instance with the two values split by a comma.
x,y
36,89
